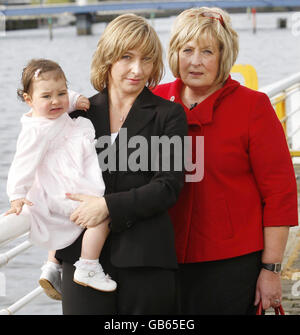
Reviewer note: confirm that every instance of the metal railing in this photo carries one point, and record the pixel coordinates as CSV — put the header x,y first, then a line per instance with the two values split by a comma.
x,y
9,234
22,302
284,95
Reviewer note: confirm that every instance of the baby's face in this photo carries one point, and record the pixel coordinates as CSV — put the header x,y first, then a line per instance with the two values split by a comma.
x,y
49,96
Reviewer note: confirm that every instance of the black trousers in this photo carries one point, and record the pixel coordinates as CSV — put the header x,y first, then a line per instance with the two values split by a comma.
x,y
140,291
225,287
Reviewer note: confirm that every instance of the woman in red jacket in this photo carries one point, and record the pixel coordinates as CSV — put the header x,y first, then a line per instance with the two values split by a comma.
x,y
232,226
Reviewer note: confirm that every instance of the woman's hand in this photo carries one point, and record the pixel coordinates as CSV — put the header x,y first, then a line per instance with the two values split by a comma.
x,y
91,211
16,206
268,289
268,286
82,103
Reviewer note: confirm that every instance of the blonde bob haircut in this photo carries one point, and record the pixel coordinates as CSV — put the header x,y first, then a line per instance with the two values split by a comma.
x,y
212,23
124,33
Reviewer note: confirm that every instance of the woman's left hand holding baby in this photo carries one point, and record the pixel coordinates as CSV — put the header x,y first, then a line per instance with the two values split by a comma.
x,y
91,211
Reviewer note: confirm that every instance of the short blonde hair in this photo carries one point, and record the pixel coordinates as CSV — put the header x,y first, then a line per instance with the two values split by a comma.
x,y
124,33
191,24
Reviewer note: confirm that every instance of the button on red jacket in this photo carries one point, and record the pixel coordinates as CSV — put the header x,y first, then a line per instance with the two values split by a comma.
x,y
249,180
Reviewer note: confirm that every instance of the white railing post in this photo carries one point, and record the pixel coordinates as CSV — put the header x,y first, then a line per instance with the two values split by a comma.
x,y
292,103
11,229
290,88
7,256
281,85
22,302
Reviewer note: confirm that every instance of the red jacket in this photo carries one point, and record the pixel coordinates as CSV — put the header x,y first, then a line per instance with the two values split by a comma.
x,y
249,180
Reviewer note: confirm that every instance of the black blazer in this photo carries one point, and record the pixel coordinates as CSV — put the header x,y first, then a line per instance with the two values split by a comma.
x,y
138,201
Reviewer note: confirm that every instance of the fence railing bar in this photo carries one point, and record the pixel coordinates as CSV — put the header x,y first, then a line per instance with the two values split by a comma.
x,y
281,85
21,302
11,231
293,133
8,255
290,114
3,244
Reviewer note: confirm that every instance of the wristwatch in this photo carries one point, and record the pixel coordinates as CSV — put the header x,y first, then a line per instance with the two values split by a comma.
x,y
274,267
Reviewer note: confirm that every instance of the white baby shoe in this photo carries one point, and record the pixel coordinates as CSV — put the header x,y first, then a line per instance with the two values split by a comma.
x,y
50,280
92,275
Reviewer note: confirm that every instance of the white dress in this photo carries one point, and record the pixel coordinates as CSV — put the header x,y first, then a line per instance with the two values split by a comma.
x,y
54,157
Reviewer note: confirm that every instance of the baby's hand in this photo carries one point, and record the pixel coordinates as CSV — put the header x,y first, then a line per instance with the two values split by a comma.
x,y
82,103
16,206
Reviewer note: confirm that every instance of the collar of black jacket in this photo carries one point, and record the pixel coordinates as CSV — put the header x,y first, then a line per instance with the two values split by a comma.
x,y
140,114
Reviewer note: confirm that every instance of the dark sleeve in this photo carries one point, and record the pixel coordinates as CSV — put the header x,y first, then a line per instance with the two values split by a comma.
x,y
78,113
127,208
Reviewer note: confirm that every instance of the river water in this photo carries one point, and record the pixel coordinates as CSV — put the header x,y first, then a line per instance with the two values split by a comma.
x,y
275,53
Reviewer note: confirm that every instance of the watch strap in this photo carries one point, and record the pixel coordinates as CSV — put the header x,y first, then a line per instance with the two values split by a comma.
x,y
274,267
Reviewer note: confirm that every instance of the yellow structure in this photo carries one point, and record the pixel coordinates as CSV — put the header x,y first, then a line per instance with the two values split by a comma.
x,y
279,103
249,74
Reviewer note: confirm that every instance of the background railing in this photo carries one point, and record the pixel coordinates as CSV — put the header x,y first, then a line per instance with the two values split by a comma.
x,y
285,97
8,234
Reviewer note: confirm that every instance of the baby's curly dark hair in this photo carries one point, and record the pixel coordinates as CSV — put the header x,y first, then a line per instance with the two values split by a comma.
x,y
34,70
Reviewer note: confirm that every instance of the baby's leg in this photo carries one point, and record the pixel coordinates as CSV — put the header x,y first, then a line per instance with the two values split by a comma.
x,y
89,271
93,241
50,279
51,257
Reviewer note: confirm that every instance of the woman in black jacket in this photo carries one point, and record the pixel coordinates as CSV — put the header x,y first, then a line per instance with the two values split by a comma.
x,y
140,147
